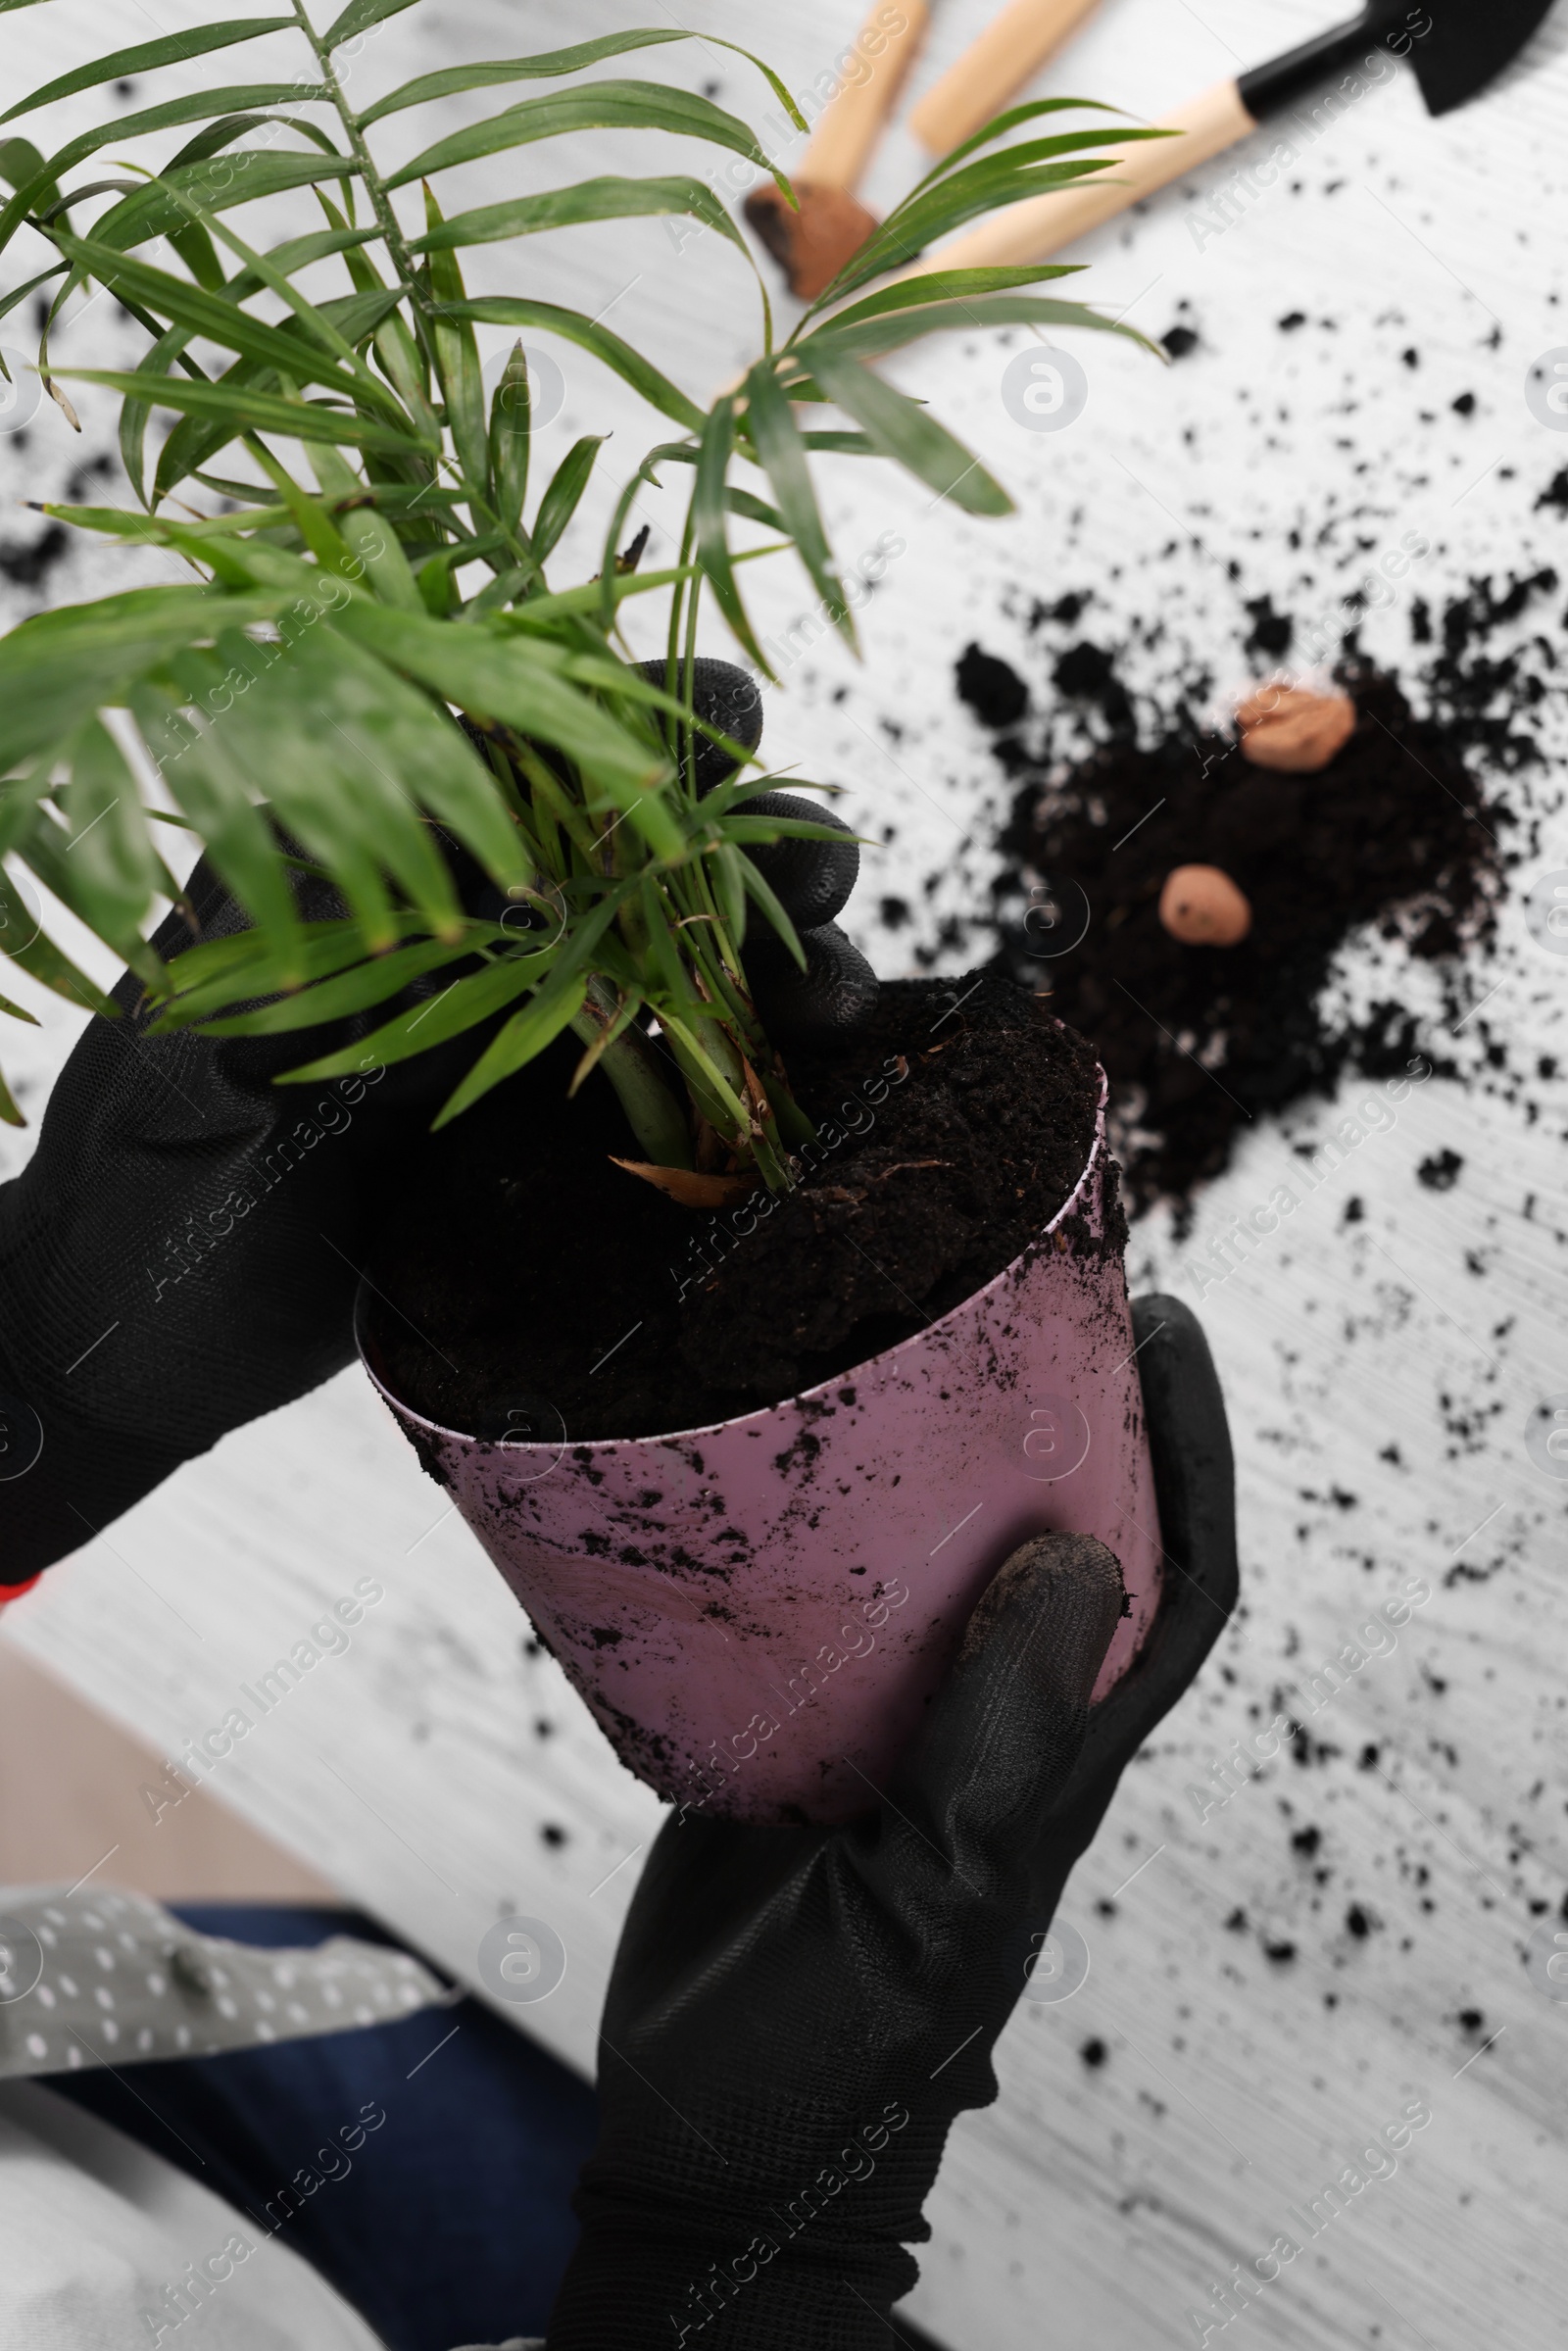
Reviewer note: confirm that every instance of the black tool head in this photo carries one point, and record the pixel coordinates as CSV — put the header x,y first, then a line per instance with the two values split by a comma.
x,y
1457,46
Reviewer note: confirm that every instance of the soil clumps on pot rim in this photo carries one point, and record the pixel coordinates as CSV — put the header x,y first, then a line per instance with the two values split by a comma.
x,y
1198,1041
533,1289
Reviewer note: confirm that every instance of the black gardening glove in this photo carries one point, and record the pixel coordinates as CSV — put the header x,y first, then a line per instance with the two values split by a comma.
x,y
796,2016
811,879
182,1251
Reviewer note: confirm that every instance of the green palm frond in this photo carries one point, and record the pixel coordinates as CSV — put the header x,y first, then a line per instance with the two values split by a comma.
x,y
369,668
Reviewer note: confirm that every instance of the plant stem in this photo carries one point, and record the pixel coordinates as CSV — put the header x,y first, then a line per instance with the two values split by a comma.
x,y
653,1112
402,261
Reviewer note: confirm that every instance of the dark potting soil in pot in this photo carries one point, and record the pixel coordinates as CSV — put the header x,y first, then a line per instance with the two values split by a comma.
x,y
524,1276
1197,1041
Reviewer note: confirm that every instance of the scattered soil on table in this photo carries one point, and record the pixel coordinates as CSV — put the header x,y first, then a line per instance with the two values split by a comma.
x,y
1198,1041
1408,834
525,1276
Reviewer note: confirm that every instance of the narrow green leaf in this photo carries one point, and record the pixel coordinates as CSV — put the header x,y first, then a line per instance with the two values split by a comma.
x,y
196,440
895,328
619,680
205,313
458,1007
216,184
432,760
296,253
553,615
728,878
358,16
314,322
162,530
524,1037
34,951
457,359
510,431
776,439
348,756
22,166
673,990
45,852
746,830
198,106
188,446
998,127
199,255
357,991
453,79
600,106
20,795
371,537
563,492
9,1115
107,852
175,48
254,411
754,509
756,886
903,429
19,1012
943,285
607,199
516,680
218,135
709,512
212,793
218,973
629,364
58,667
986,185
19,294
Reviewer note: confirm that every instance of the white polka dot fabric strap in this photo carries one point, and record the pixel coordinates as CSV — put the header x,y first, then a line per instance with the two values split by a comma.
x,y
105,1977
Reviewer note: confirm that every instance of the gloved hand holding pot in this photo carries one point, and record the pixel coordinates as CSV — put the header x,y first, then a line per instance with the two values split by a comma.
x,y
749,1441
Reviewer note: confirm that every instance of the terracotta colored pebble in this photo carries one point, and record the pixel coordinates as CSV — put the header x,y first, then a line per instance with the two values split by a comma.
x,y
1294,731
1201,906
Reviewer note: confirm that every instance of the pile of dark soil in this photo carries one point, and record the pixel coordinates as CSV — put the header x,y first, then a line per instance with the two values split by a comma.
x,y
1198,1041
526,1282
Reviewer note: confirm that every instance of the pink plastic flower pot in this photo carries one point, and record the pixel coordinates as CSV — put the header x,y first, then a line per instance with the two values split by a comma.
x,y
758,1613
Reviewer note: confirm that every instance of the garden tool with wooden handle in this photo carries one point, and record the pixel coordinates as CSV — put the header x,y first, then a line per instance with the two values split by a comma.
x,y
832,224
993,70
1454,47
812,245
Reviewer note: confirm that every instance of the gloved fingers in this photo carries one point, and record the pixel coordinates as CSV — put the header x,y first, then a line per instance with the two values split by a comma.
x,y
1005,1731
831,997
810,879
1195,1488
729,699
414,1089
1190,1443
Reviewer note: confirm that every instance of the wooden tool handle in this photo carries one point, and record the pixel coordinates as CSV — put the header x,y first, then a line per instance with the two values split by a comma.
x,y
1009,54
870,79
1041,226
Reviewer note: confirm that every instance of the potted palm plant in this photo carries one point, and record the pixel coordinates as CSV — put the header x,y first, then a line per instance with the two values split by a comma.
x,y
375,678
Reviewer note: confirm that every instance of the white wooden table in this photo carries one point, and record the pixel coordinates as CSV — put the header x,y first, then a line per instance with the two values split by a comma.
x,y
1378,1386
